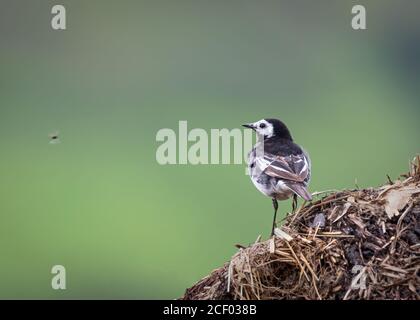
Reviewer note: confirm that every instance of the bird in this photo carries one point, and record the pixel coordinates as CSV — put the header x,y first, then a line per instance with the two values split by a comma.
x,y
278,167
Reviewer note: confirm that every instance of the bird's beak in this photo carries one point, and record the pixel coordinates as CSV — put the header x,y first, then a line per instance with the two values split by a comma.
x,y
249,125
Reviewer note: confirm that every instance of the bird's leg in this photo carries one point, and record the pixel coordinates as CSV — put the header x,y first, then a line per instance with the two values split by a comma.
x,y
275,206
294,203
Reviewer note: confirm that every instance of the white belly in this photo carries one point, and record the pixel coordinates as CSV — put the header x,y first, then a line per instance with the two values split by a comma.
x,y
277,189
282,192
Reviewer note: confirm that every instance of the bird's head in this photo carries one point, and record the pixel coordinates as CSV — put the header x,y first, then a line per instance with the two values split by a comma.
x,y
267,128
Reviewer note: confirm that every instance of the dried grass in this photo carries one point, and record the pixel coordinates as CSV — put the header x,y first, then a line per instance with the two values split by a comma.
x,y
368,236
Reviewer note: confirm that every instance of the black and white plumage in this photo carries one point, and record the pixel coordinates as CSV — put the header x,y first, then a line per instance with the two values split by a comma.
x,y
278,167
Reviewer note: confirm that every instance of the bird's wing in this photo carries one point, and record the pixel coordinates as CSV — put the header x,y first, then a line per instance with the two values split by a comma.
x,y
295,168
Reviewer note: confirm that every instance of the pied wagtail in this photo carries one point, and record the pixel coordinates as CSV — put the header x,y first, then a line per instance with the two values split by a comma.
x,y
278,167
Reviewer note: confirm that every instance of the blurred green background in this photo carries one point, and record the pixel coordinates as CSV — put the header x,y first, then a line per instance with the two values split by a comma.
x,y
99,204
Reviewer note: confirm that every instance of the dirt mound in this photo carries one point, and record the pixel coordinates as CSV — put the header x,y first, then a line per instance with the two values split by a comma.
x,y
355,244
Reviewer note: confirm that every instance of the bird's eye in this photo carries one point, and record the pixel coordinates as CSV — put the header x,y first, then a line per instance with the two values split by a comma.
x,y
262,125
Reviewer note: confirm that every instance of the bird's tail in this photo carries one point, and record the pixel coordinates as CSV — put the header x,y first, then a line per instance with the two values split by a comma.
x,y
300,190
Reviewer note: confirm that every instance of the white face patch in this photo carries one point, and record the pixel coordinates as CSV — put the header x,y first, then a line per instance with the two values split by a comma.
x,y
264,128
